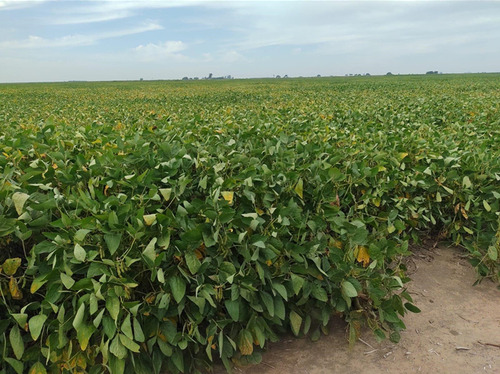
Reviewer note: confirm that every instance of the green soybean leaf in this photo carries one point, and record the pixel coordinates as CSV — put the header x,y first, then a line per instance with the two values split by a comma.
x,y
117,348
79,252
113,306
129,343
192,262
268,302
67,281
149,251
16,342
77,321
18,366
233,308
36,324
295,322
486,206
112,242
138,333
348,289
297,283
126,327
281,290
178,288
412,308
492,253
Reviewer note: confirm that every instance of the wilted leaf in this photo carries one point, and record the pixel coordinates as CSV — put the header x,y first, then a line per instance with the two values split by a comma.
x,y
14,290
363,256
245,342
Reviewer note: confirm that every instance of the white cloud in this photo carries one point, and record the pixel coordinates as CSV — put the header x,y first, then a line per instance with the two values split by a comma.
x,y
16,4
165,50
90,18
34,41
232,57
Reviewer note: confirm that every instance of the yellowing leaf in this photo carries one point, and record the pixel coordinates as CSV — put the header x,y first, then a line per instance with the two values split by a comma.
x,y
166,192
19,198
11,265
37,283
402,155
149,219
299,188
37,368
228,196
363,256
14,290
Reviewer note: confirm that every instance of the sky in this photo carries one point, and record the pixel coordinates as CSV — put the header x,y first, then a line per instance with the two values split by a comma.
x,y
154,39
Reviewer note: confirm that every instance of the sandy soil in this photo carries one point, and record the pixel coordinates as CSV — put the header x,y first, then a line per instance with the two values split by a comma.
x,y
458,330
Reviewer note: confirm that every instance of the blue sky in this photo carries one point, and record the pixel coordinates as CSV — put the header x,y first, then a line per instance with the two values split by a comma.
x,y
154,39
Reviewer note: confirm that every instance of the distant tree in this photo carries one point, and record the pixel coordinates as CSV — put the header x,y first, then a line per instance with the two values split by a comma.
x,y
278,76
185,78
210,76
285,76
318,76
141,79
367,74
432,72
389,73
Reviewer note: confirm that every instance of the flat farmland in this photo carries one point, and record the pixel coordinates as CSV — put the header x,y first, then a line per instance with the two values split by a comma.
x,y
166,225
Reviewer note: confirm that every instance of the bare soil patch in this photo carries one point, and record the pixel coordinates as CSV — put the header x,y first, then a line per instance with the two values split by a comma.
x,y
458,330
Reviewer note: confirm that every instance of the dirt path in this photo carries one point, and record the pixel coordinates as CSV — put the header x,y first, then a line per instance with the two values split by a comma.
x,y
449,336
